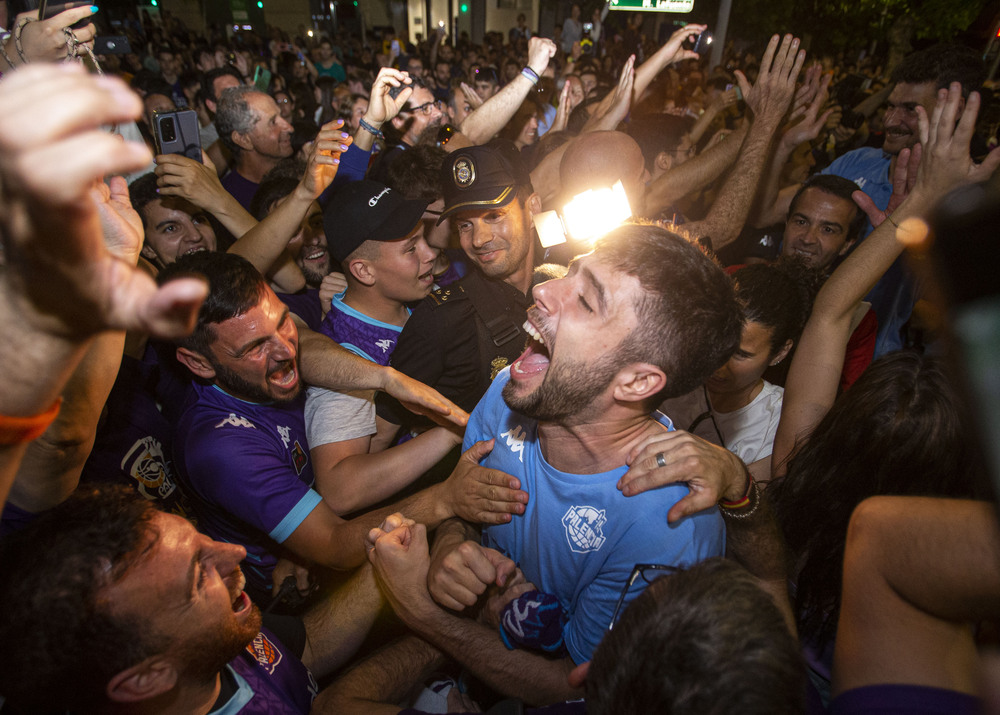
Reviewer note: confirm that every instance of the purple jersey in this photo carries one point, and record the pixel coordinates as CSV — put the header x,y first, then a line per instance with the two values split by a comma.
x,y
247,468
371,339
270,680
305,304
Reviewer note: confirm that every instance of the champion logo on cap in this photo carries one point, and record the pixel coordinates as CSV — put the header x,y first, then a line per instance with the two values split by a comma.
x,y
374,199
464,171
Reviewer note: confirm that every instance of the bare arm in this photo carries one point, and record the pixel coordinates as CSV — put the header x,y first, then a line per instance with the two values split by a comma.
x,y
324,363
198,182
695,174
401,562
51,151
383,678
266,242
944,163
483,123
351,478
670,53
773,204
770,99
918,573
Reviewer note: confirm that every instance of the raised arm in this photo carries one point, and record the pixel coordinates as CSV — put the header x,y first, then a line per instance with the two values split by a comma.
x,y
671,52
266,242
944,163
198,183
382,107
769,99
773,201
52,149
480,126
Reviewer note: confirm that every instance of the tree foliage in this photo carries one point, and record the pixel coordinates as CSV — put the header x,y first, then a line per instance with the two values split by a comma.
x,y
833,26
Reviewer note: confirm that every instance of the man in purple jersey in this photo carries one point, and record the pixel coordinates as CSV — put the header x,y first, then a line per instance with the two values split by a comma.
x,y
145,614
240,444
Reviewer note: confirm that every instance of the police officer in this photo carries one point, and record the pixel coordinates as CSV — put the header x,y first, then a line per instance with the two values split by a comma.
x,y
462,335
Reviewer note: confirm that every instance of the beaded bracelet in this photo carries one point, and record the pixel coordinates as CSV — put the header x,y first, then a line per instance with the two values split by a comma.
x,y
377,133
745,507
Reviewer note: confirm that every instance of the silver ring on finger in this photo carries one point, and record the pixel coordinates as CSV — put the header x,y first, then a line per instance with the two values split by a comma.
x,y
660,461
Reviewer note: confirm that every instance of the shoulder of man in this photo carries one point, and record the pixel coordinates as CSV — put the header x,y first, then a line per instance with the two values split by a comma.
x,y
448,294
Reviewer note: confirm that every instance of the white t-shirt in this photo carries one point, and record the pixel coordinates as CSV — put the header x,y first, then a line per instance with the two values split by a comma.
x,y
338,416
747,432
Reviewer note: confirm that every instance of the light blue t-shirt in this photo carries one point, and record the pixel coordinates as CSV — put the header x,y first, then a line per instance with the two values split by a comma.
x,y
579,538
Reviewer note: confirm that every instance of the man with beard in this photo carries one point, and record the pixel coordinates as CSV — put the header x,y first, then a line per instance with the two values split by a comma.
x,y
422,112
240,444
145,614
643,317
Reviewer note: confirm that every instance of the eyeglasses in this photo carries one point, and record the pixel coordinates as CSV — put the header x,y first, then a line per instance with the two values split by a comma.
x,y
286,100
639,570
426,108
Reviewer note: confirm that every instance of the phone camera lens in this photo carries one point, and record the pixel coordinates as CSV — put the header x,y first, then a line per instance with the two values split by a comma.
x,y
167,129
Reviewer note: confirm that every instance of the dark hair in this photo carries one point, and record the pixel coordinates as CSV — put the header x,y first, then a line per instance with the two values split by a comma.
x,y
942,65
208,81
704,641
234,287
657,133
689,319
326,85
63,641
512,129
580,115
141,192
778,296
841,188
416,173
233,114
270,190
899,431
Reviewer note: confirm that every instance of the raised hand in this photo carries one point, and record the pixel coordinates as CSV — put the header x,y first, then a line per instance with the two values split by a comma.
x,y
771,96
52,149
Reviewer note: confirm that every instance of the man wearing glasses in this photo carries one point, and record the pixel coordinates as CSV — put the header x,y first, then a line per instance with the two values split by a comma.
x,y
420,113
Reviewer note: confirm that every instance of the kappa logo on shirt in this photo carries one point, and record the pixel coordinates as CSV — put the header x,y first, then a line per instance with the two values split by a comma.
x,y
583,528
385,344
264,652
236,421
515,441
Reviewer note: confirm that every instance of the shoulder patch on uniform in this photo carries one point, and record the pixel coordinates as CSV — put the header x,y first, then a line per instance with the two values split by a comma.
x,y
446,294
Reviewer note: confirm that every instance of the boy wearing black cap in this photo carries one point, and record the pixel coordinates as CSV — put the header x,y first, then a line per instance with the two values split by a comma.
x,y
378,238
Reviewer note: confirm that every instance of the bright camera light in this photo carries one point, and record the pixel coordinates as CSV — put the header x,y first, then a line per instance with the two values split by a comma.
x,y
585,217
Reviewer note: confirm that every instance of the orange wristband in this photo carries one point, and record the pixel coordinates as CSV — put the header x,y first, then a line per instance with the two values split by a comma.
x,y
18,430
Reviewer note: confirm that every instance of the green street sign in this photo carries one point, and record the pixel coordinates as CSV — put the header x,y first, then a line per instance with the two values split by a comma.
x,y
653,5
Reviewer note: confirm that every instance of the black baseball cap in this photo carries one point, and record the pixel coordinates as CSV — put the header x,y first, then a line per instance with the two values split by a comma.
x,y
368,211
482,177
